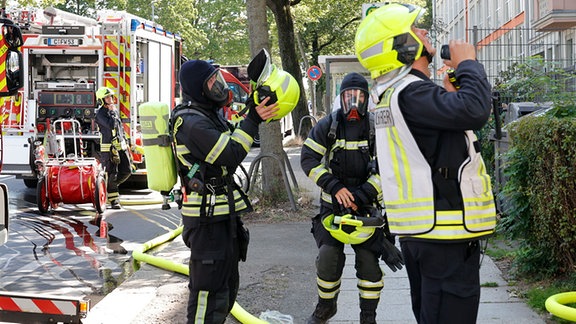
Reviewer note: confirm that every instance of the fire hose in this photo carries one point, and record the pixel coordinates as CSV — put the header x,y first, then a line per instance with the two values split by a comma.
x,y
138,254
556,304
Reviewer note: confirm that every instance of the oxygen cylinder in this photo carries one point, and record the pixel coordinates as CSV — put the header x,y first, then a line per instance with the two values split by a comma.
x,y
160,163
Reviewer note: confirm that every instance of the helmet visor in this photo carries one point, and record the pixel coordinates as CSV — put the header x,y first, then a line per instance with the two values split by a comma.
x,y
351,99
216,88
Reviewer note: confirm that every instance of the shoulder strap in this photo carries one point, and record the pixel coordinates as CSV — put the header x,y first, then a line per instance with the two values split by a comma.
x,y
331,137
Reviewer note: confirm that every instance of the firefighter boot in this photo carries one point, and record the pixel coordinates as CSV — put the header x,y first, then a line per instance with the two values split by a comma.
x,y
325,309
368,310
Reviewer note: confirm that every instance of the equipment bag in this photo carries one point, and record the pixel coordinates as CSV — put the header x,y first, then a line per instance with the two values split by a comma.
x,y
160,163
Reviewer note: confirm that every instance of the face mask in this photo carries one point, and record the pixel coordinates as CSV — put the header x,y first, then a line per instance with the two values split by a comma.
x,y
354,103
218,91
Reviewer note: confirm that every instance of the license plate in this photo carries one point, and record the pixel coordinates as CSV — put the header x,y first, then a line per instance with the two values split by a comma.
x,y
63,41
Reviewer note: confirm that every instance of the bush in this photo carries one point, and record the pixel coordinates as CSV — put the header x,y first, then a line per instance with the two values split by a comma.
x,y
541,166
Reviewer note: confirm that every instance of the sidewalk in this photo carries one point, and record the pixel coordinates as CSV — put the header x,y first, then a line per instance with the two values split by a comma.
x,y
280,275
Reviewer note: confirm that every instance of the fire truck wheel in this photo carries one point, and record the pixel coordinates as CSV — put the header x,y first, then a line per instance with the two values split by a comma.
x,y
42,196
31,183
100,195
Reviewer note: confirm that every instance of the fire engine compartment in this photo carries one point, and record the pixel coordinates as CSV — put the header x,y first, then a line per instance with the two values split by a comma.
x,y
62,83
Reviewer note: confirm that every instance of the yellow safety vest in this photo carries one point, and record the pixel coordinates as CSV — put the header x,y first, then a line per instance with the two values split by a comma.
x,y
407,181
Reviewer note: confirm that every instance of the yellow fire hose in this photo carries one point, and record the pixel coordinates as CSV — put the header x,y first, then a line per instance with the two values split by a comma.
x,y
555,304
138,254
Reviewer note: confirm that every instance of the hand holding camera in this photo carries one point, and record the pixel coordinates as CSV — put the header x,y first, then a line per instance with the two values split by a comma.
x,y
456,52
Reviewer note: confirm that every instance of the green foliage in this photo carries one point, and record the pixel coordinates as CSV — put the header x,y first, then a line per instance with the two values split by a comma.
x,y
541,191
536,297
537,80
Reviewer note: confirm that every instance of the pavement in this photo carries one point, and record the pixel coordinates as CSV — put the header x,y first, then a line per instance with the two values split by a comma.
x,y
279,279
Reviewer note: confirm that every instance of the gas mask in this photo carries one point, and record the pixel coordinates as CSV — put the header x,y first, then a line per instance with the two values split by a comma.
x,y
216,89
354,103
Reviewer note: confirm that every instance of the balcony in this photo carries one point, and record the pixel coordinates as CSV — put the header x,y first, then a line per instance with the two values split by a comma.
x,y
554,14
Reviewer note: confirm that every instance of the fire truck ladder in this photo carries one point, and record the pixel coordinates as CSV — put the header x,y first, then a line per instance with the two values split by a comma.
x,y
114,50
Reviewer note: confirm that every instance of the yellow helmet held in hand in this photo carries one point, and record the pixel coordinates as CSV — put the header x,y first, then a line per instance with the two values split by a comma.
x,y
270,81
348,234
385,40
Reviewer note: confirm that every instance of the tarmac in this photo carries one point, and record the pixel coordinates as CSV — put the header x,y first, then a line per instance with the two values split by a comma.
x,y
279,278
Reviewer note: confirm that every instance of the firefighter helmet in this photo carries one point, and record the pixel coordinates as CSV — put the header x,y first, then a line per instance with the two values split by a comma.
x,y
102,93
270,81
385,40
347,234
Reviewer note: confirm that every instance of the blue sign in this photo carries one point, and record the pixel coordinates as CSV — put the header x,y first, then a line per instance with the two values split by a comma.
x,y
314,73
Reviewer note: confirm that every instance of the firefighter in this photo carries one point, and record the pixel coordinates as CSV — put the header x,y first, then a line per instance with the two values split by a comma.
x,y
436,191
350,183
209,150
114,154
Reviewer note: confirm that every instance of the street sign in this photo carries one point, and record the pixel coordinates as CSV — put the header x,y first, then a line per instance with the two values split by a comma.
x,y
314,73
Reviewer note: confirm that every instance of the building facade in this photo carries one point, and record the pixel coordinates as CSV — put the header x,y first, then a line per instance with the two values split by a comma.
x,y
508,31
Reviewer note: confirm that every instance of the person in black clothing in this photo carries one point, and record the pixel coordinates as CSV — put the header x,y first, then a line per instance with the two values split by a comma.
x,y
437,193
114,154
350,184
209,150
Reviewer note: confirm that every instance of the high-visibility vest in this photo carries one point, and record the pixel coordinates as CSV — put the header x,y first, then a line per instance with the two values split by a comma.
x,y
407,181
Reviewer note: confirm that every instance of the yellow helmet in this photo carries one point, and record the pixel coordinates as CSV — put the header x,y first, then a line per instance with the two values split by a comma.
x,y
385,40
346,229
102,93
270,81
282,87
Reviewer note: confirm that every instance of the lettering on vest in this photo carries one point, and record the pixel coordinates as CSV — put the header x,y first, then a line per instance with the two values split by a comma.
x,y
383,117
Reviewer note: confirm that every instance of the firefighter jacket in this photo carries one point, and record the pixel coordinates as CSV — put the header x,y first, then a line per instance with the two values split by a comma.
x,y
350,159
111,129
433,176
209,150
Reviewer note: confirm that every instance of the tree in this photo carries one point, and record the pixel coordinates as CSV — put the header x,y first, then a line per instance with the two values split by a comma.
x,y
270,134
290,63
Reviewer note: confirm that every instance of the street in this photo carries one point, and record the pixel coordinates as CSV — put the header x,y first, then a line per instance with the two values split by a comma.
x,y
64,253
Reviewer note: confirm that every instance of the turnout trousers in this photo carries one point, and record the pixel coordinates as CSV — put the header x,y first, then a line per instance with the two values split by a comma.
x,y
213,265
444,280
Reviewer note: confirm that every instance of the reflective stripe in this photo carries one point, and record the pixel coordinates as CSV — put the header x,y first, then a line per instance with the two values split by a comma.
x,y
201,307
328,284
410,205
315,146
105,147
181,150
218,148
375,49
370,284
328,289
375,181
191,208
243,138
317,172
369,294
350,145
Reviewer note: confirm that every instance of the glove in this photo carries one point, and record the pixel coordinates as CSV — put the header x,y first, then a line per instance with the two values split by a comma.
x,y
114,155
252,113
391,255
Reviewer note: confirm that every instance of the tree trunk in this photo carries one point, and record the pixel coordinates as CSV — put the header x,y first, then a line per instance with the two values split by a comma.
x,y
270,135
290,64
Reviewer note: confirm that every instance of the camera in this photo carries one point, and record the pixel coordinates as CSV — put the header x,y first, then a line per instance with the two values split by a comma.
x,y
445,52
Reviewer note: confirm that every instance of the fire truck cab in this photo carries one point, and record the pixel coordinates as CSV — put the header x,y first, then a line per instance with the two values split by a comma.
x,y
66,58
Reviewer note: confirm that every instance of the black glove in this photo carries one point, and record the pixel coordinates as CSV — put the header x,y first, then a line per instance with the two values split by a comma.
x,y
391,255
252,113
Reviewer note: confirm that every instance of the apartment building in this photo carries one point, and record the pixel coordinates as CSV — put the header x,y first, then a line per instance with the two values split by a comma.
x,y
508,31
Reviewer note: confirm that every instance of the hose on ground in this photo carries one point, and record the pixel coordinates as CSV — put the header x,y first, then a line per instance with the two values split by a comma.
x,y
138,254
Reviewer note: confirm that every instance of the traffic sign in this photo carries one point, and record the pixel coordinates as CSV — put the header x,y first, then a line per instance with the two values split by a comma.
x,y
314,73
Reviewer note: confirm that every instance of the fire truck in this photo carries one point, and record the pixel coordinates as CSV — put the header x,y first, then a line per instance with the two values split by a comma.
x,y
66,58
19,307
